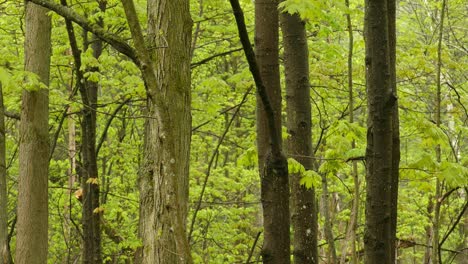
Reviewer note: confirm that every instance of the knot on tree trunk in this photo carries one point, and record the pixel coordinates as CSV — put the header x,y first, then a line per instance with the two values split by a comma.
x,y
276,164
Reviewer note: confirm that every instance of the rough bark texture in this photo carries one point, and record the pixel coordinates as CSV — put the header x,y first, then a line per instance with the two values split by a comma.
x,y
391,15
31,236
379,235
163,180
5,256
91,215
273,166
299,124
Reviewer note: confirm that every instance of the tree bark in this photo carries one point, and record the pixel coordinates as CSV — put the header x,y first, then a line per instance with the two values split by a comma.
x,y
435,254
328,226
5,256
31,237
273,164
163,180
394,181
91,213
379,236
274,183
299,124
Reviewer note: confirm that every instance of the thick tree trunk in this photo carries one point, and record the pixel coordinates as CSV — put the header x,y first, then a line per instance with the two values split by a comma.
x,y
164,176
31,236
273,166
379,235
5,256
299,124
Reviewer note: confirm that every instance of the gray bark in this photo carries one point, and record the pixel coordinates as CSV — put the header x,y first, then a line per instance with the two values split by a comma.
x,y
163,179
31,237
5,256
272,162
382,155
273,174
299,124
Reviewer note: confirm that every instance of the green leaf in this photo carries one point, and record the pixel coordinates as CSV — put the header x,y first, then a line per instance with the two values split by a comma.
x,y
92,76
310,179
454,174
32,82
248,158
5,76
295,166
355,153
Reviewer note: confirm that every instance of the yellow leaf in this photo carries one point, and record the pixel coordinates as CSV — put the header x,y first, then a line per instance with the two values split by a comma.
x,y
98,210
92,181
79,194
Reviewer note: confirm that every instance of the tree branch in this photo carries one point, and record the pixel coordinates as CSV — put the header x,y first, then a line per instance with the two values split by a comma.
x,y
459,217
115,41
108,123
198,63
135,30
254,69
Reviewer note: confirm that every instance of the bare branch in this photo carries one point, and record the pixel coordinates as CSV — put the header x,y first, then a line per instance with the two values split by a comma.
x,y
115,41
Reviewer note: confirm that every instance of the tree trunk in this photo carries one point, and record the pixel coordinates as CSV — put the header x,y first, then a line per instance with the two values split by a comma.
x,y
435,255
353,221
273,174
5,256
463,233
379,236
91,214
299,124
327,226
31,236
428,229
163,181
394,181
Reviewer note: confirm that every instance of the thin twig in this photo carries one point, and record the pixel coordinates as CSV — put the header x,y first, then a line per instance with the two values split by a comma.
x,y
252,249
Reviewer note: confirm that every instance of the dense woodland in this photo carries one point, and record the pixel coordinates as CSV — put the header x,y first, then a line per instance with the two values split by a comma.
x,y
213,131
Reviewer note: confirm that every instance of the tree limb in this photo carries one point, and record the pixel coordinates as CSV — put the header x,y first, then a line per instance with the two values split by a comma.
x,y
254,69
108,123
115,41
198,63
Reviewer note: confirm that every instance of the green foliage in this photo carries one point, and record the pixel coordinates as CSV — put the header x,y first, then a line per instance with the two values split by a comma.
x,y
309,178
230,214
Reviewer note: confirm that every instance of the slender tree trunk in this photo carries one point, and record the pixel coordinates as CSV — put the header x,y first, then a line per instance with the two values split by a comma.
x,y
163,181
5,256
394,181
304,208
435,256
68,227
428,229
31,236
379,235
328,227
352,226
274,173
274,180
463,233
91,214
